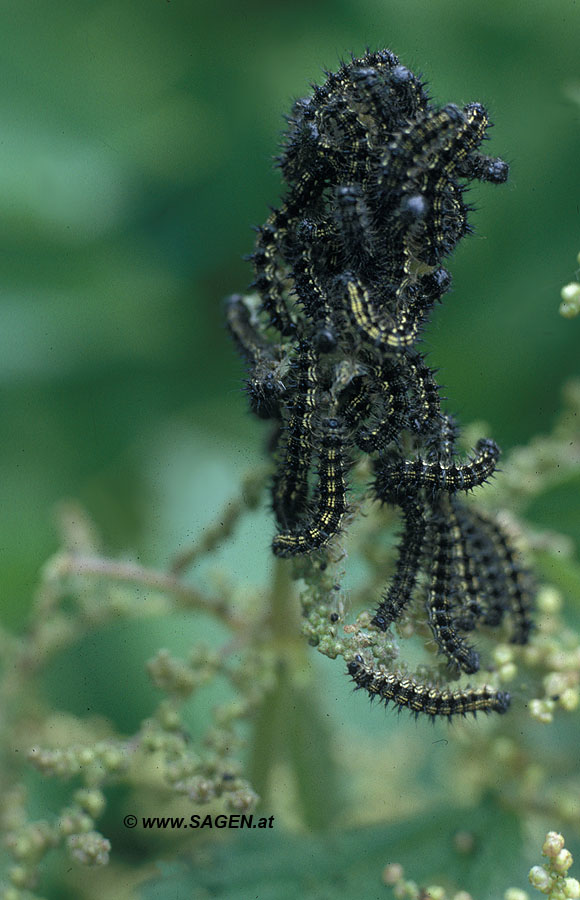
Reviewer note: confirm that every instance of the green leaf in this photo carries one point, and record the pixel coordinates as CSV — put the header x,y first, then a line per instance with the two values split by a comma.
x,y
272,865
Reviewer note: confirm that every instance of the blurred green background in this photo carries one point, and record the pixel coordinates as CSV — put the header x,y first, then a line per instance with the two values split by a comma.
x,y
136,143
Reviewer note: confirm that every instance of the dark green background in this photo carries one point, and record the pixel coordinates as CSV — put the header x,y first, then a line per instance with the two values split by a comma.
x,y
135,151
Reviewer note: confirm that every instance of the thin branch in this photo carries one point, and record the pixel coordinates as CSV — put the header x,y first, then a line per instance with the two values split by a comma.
x,y
71,565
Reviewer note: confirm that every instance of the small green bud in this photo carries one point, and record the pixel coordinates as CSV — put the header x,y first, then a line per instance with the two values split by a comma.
x,y
516,894
86,756
570,305
542,710
555,684
569,699
553,844
562,861
201,790
540,879
90,849
168,717
434,892
242,800
113,759
93,802
73,822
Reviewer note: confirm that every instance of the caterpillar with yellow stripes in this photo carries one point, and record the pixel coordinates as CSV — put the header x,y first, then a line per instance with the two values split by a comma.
x,y
426,699
347,271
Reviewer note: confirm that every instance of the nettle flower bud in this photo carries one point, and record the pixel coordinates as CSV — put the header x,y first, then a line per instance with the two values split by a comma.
x,y
540,879
553,844
90,849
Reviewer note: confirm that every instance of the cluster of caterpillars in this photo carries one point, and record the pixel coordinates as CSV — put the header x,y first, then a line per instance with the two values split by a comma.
x,y
347,270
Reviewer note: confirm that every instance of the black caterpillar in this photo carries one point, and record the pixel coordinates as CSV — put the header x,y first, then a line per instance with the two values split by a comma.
x,y
406,693
347,270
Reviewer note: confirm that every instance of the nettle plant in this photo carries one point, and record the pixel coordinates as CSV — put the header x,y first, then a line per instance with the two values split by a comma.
x,y
348,269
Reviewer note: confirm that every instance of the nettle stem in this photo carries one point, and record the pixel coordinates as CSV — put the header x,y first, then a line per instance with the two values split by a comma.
x,y
292,767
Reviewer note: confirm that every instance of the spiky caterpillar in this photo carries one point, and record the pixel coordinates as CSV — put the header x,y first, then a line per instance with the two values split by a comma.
x,y
268,363
466,567
419,698
431,544
516,597
439,476
290,489
347,271
443,539
330,506
404,581
472,572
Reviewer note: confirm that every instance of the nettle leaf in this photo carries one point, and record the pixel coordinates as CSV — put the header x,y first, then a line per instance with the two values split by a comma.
x,y
269,864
